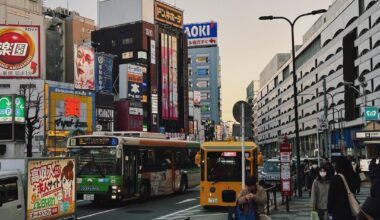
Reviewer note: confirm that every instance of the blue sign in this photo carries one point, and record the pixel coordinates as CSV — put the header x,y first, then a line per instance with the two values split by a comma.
x,y
103,73
202,33
202,72
371,113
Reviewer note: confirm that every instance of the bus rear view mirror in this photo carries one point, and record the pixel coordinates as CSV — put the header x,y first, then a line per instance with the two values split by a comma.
x,y
198,159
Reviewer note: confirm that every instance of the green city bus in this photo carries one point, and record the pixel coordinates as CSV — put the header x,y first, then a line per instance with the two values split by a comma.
x,y
132,165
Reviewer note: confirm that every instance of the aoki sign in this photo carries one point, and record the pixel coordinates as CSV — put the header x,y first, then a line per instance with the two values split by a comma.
x,y
202,33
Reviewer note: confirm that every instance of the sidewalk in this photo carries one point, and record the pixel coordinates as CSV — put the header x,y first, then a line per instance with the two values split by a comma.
x,y
299,208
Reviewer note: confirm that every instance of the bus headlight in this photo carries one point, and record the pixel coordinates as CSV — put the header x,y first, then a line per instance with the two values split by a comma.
x,y
212,189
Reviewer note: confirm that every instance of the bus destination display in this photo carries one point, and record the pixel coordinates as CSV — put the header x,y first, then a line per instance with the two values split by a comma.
x,y
94,141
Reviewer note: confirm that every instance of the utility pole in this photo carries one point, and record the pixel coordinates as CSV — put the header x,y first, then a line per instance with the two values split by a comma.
x,y
325,108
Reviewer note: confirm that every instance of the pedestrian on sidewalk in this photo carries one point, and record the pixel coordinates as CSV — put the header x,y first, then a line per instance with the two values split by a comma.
x,y
371,206
319,193
357,181
313,174
372,169
252,197
338,205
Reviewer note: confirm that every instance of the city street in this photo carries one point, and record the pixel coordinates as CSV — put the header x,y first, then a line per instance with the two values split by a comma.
x,y
165,207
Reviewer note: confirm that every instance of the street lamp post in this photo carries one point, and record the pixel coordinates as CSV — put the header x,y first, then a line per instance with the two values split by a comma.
x,y
292,23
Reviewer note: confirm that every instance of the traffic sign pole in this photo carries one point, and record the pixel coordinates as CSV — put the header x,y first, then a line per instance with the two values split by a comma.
x,y
242,148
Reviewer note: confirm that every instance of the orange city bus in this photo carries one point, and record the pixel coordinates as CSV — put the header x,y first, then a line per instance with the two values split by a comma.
x,y
221,171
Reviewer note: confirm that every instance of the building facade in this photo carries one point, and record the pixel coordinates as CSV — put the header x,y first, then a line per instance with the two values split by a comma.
x,y
340,49
204,68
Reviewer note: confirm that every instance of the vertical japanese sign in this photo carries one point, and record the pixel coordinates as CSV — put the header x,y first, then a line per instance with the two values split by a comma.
x,y
19,109
103,72
51,188
6,109
175,81
135,76
19,51
285,158
164,78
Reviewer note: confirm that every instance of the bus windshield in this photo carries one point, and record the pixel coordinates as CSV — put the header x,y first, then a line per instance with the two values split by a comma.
x,y
96,161
224,166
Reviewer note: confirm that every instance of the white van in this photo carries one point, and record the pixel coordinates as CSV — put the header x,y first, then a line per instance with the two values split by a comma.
x,y
12,200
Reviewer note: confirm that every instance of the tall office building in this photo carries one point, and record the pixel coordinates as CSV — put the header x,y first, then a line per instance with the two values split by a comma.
x,y
204,69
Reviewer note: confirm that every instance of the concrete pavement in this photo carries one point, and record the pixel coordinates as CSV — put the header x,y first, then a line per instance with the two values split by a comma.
x,y
300,208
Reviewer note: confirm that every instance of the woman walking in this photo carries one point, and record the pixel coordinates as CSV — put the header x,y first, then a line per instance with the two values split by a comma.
x,y
338,205
319,193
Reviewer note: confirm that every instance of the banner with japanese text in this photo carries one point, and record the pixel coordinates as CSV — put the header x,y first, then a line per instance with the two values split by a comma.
x,y
20,51
51,188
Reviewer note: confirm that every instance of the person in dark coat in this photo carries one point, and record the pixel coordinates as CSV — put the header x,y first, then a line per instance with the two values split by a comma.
x,y
337,203
371,205
357,181
372,169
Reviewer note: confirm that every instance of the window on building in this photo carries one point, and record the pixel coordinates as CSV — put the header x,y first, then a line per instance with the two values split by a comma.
x,y
113,43
201,59
27,86
202,71
190,72
8,189
189,61
127,41
190,84
5,86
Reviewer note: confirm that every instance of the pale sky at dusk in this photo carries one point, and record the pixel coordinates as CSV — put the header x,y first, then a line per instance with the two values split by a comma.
x,y
246,44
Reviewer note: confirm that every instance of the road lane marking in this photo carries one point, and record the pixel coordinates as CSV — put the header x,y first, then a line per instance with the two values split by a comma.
x,y
208,214
186,200
98,213
175,213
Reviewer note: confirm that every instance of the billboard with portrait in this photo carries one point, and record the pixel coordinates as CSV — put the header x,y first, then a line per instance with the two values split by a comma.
x,y
51,188
84,75
197,98
103,72
20,51
202,34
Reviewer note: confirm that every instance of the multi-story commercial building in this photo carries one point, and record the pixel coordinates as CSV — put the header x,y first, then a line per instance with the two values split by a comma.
x,y
204,68
341,49
154,43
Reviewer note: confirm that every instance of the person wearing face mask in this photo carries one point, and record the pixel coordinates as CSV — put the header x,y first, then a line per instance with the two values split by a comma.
x,y
319,193
313,174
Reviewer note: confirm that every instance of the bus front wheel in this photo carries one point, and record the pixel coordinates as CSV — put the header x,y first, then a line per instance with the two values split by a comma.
x,y
144,192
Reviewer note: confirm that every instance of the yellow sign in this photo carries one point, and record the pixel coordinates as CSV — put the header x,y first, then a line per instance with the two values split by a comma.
x,y
58,133
51,188
168,15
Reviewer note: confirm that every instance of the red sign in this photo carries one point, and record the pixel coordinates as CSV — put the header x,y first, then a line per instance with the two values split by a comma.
x,y
19,51
229,154
72,107
285,147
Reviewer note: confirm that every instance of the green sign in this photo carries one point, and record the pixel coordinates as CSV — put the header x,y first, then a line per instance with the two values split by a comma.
x,y
371,113
19,109
6,109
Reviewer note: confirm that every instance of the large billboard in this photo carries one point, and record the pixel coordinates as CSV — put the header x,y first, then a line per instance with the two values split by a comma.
x,y
168,14
169,77
51,188
20,51
135,78
70,113
202,34
103,72
84,74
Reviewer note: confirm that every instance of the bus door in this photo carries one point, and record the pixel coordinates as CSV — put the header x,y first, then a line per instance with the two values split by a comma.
x,y
130,171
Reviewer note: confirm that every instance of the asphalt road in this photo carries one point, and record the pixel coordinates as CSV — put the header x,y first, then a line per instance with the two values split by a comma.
x,y
172,207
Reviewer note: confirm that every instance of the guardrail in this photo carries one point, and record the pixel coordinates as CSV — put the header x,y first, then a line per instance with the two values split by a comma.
x,y
269,189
